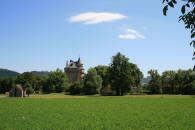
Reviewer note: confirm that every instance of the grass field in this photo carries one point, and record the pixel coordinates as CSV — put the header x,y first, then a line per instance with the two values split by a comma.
x,y
58,111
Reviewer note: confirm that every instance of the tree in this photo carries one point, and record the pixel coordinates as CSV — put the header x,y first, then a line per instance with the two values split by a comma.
x,y
57,81
103,72
180,80
136,74
189,78
188,17
92,82
26,78
192,83
45,87
6,84
29,89
155,82
122,74
169,81
38,83
76,88
190,88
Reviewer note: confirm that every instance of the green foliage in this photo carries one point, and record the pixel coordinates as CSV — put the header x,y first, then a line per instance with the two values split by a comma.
x,y
190,88
169,80
6,84
146,88
116,113
29,90
189,78
92,82
26,78
123,75
172,82
188,17
107,91
139,89
178,82
44,85
103,72
76,88
155,82
38,83
56,81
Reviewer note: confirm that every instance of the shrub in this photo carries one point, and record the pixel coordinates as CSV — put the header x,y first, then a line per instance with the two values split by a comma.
x,y
76,88
29,91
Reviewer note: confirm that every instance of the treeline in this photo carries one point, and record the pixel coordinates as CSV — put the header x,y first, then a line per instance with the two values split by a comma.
x,y
116,79
119,78
172,82
56,81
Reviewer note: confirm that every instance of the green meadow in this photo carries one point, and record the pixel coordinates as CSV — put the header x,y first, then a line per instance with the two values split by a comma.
x,y
98,112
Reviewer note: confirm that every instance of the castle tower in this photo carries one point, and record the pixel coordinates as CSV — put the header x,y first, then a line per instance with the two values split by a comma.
x,y
75,71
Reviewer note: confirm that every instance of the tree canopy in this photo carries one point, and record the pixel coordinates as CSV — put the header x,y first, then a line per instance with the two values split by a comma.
x,y
123,74
155,82
187,16
172,82
102,71
25,79
92,82
57,81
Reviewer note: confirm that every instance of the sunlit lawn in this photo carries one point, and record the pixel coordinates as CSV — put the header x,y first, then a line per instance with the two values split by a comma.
x,y
59,111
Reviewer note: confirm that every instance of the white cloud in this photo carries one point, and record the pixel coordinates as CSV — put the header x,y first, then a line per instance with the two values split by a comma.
x,y
127,36
132,31
141,36
94,17
131,34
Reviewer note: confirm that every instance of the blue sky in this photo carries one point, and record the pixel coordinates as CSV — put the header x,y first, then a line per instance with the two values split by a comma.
x,y
43,34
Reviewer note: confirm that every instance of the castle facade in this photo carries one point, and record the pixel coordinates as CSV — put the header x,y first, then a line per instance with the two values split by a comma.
x,y
74,71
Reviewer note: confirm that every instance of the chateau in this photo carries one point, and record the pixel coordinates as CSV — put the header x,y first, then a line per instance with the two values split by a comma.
x,y
74,70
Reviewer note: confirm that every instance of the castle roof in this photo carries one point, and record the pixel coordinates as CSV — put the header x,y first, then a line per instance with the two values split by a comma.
x,y
75,64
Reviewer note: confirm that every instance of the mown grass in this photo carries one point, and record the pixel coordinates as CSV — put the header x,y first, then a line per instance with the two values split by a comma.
x,y
98,112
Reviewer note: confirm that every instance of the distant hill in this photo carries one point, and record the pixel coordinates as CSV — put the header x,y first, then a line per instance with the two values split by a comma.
x,y
8,73
146,80
40,73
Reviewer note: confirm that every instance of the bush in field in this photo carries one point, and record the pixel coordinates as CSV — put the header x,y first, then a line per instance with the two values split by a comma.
x,y
92,82
29,91
76,88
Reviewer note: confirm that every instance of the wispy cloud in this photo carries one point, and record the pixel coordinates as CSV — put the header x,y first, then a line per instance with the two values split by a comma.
x,y
127,36
94,17
131,34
